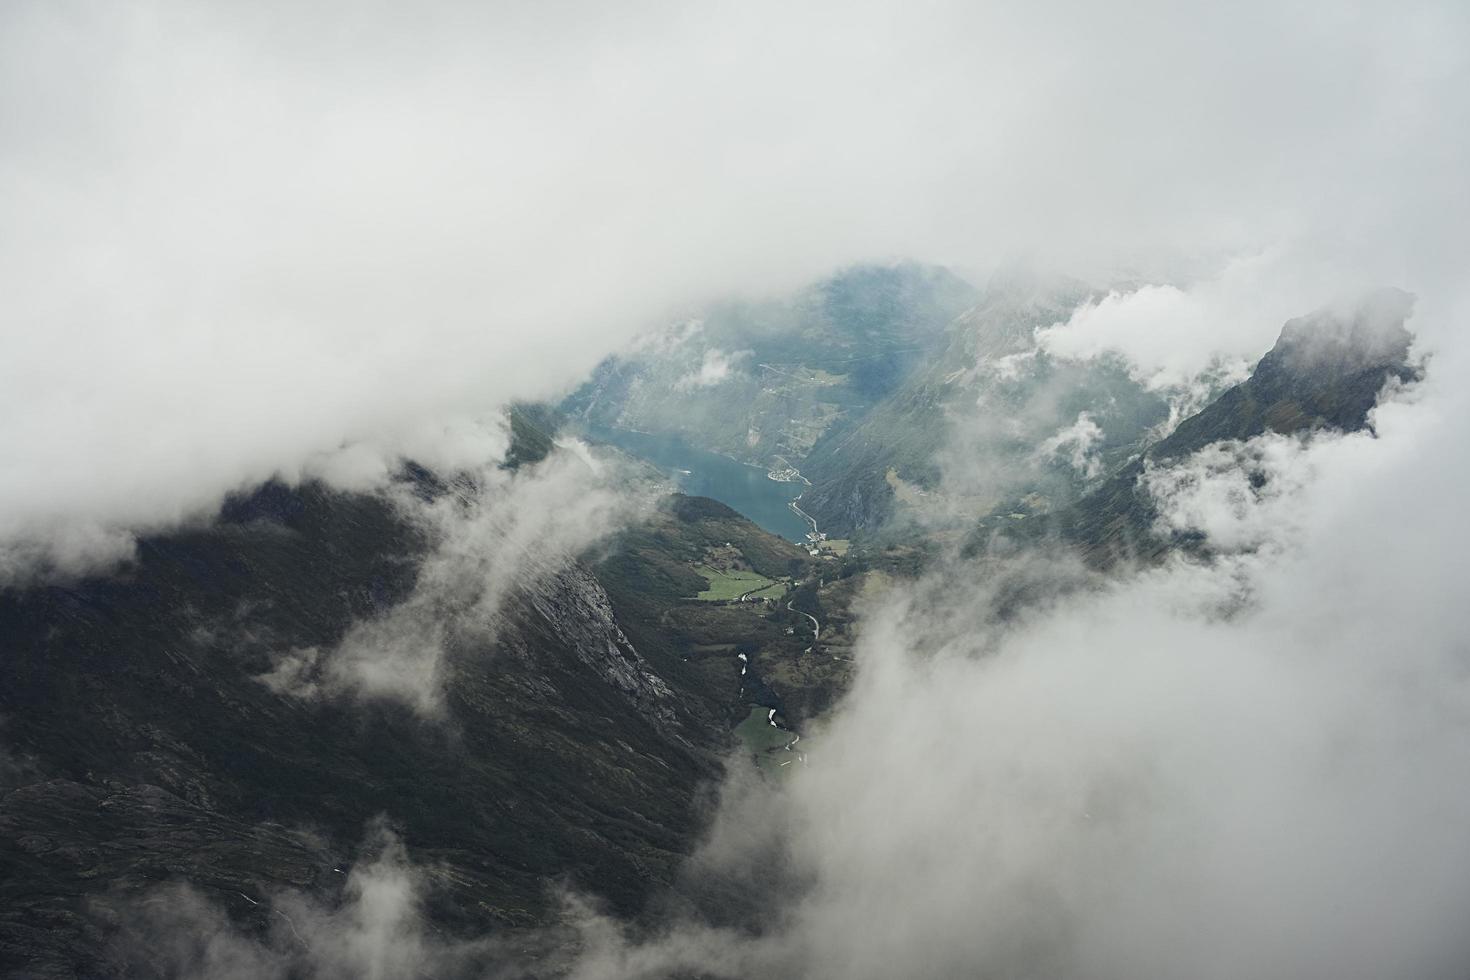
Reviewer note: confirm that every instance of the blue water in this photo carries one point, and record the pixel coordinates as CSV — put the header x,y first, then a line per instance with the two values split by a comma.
x,y
704,474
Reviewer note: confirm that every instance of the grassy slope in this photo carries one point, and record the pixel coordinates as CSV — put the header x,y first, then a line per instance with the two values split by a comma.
x,y
652,573
732,584
766,743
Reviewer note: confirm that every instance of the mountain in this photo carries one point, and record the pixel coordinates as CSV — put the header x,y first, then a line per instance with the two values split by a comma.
x,y
874,383
146,747
762,382
163,726
1325,372
989,394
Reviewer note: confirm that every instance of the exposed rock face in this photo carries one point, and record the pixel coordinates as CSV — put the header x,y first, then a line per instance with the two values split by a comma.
x,y
858,499
578,609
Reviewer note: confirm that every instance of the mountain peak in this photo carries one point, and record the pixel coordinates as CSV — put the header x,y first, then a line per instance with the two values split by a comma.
x,y
1342,340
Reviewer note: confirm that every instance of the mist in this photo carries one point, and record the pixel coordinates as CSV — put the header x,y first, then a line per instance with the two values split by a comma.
x,y
376,930
310,241
491,533
237,242
1234,766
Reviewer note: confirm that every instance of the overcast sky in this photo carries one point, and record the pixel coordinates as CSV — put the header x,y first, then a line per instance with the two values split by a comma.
x,y
235,238
297,238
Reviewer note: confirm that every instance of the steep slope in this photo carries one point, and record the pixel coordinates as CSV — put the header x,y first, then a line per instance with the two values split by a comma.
x,y
1324,372
532,428
658,564
142,746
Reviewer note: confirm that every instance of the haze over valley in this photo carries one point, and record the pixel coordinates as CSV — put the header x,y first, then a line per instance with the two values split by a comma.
x,y
848,491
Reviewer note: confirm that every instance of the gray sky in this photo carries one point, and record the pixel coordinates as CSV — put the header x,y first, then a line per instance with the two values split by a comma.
x,y
234,239
301,238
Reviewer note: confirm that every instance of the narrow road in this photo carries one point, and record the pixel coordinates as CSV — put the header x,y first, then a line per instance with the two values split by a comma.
x,y
816,626
805,516
793,504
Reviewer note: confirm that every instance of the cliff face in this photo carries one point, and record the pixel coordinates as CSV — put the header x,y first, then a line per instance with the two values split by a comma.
x,y
579,612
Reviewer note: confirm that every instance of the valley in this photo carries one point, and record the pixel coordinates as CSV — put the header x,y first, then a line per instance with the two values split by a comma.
x,y
175,724
737,491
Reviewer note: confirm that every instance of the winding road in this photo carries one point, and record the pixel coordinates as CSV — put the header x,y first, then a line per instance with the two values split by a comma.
x,y
815,538
816,626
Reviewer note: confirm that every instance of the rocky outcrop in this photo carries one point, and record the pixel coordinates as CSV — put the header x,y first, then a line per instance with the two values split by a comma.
x,y
579,611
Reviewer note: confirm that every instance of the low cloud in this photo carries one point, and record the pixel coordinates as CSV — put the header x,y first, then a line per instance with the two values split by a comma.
x,y
376,928
234,240
493,533
1218,767
1235,766
1077,444
1030,425
714,369
1190,339
1240,496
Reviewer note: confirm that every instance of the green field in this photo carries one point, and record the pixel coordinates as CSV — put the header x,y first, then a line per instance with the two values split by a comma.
x,y
764,741
734,584
774,591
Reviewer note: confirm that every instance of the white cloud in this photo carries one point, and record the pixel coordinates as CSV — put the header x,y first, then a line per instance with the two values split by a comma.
x,y
1210,769
377,928
235,239
713,369
1219,322
509,531
1080,442
1190,342
1240,496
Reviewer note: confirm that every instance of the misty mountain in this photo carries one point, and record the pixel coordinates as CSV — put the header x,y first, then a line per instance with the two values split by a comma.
x,y
179,725
982,409
878,383
747,491
1325,372
150,746
764,381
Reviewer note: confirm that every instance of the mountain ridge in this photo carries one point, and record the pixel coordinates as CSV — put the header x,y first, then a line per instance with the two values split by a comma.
x,y
149,751
1325,371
